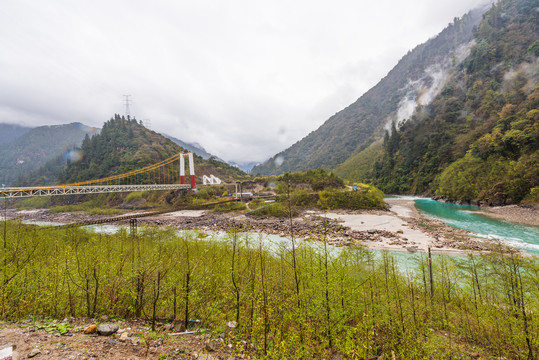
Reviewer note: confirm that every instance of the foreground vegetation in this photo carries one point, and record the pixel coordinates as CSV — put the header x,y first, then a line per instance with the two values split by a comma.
x,y
294,301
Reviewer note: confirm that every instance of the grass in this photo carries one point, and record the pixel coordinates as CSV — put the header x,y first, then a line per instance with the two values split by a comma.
x,y
230,206
298,301
36,202
88,207
275,210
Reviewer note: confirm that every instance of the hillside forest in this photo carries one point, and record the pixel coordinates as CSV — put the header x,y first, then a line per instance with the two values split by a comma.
x,y
478,140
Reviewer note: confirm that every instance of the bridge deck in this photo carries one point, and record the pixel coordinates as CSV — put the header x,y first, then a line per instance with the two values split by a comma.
x,y
20,192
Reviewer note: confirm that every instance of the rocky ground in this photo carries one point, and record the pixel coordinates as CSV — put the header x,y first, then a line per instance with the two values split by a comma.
x,y
78,339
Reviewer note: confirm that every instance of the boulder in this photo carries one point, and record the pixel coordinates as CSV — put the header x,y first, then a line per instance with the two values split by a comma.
x,y
210,346
34,353
124,336
412,249
107,329
90,329
232,324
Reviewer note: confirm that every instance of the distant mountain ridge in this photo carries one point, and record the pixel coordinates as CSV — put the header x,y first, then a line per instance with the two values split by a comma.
x,y
247,167
37,146
352,129
9,132
200,151
195,148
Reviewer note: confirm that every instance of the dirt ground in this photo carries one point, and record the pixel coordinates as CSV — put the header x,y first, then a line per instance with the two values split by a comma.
x,y
29,341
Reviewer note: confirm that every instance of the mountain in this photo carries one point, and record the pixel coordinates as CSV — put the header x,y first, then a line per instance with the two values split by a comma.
x,y
247,167
9,132
200,151
194,148
478,140
418,76
37,146
124,145
458,117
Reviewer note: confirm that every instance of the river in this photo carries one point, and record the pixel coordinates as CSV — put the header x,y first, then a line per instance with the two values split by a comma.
x,y
471,218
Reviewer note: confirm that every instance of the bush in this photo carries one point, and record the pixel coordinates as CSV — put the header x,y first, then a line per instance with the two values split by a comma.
x,y
90,207
36,202
533,196
317,179
367,197
274,210
303,198
230,206
255,204
135,195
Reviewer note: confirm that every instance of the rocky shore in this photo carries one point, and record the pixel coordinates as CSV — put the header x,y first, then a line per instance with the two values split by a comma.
x,y
522,214
401,228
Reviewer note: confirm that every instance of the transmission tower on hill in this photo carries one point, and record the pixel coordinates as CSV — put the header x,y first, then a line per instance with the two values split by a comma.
x,y
127,102
148,123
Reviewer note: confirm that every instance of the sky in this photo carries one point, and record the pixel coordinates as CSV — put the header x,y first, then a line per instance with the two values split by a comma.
x,y
245,79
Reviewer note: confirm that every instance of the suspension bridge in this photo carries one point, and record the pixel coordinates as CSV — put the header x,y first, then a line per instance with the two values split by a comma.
x,y
163,175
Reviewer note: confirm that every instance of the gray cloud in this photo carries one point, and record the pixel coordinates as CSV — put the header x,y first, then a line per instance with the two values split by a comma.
x,y
245,79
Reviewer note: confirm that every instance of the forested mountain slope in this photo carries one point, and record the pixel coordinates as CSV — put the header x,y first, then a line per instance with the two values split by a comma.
x,y
478,139
355,127
35,147
9,132
124,145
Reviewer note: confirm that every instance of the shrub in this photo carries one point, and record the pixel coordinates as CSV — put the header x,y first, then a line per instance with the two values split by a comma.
x,y
36,202
303,197
230,206
274,210
365,198
135,195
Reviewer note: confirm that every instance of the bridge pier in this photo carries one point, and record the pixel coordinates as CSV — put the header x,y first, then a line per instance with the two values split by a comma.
x,y
191,169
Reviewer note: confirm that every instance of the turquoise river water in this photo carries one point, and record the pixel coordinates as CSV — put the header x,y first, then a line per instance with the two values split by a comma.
x,y
470,218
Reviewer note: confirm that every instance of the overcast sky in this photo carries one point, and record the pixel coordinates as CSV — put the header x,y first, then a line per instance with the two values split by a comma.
x,y
243,78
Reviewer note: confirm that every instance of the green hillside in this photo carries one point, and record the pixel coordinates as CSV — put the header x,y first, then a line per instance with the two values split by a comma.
x,y
124,145
37,146
359,166
478,140
354,128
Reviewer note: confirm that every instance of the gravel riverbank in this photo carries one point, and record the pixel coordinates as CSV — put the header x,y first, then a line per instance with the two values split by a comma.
x,y
527,215
401,228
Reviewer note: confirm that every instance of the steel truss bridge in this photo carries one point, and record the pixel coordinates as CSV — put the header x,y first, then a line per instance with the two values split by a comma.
x,y
159,176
